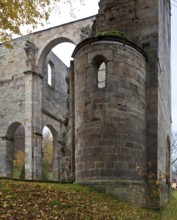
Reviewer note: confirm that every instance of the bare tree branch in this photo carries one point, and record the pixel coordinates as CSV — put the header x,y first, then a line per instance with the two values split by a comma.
x,y
174,153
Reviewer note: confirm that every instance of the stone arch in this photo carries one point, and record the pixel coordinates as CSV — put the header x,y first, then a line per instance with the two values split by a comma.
x,y
48,48
15,147
99,59
55,153
54,98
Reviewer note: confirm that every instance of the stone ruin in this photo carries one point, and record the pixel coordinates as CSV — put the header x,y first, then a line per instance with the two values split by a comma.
x,y
109,112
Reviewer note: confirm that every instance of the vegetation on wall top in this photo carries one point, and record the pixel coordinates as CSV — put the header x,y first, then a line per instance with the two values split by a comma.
x,y
113,33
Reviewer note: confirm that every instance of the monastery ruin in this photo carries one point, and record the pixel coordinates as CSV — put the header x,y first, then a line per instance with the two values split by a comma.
x,y
109,112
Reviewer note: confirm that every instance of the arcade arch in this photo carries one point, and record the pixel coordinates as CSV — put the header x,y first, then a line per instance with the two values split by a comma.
x,y
15,145
47,154
54,45
35,102
50,154
64,51
52,103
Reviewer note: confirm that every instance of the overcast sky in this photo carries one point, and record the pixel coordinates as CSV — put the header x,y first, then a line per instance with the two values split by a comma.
x,y
91,8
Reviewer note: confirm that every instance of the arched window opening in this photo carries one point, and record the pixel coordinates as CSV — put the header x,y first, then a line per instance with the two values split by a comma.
x,y
19,153
47,154
49,75
102,76
15,143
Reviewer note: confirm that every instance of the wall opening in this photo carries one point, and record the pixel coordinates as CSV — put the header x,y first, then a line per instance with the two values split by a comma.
x,y
64,51
54,61
19,153
47,154
102,76
50,68
16,151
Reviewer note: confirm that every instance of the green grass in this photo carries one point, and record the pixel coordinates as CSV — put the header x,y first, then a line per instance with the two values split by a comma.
x,y
170,210
29,200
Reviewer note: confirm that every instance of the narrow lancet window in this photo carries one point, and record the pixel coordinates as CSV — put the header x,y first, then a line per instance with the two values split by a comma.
x,y
102,76
49,75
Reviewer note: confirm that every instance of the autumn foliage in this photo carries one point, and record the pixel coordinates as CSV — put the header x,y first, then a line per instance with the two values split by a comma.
x,y
19,159
17,13
42,201
18,165
47,155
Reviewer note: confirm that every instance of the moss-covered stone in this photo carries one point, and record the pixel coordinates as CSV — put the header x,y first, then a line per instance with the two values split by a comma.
x,y
114,33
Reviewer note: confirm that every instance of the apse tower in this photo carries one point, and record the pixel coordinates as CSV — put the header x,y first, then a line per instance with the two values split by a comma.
x,y
122,99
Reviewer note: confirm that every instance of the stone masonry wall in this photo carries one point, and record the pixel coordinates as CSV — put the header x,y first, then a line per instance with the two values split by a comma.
x,y
12,102
164,97
147,23
54,110
54,97
21,94
109,122
110,127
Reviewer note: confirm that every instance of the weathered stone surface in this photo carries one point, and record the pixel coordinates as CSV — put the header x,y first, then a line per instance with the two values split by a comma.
x,y
134,109
106,124
26,98
101,133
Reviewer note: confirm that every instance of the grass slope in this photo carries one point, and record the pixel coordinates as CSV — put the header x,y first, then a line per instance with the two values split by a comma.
x,y
35,201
